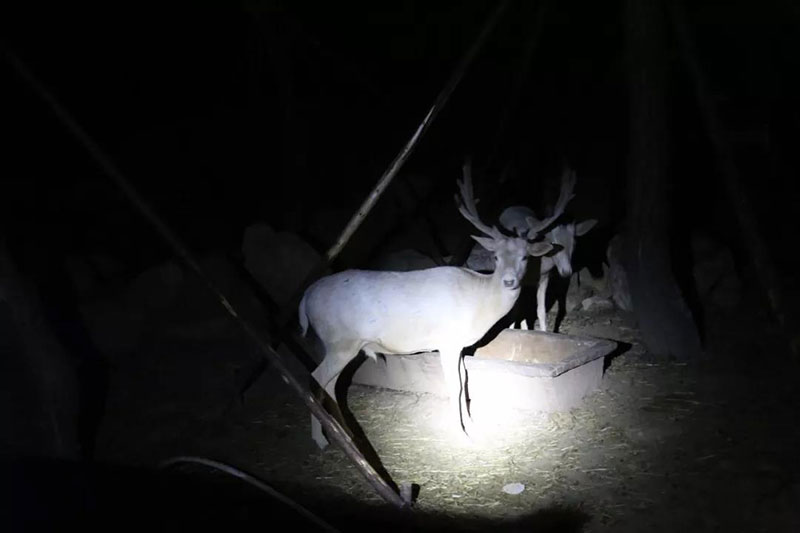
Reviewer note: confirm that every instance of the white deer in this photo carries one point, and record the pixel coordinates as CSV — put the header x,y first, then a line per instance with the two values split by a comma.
x,y
443,308
563,235
517,220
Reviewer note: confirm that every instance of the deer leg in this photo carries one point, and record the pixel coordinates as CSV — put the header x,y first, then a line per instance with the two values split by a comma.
x,y
466,414
541,303
451,369
327,374
462,375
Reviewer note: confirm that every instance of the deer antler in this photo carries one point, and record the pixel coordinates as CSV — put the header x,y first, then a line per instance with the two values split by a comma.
x,y
467,203
567,185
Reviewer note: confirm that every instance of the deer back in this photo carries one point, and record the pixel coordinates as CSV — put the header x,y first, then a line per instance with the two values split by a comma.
x,y
405,312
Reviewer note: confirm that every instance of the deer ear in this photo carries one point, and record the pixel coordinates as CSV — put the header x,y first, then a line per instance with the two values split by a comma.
x,y
582,228
487,242
537,249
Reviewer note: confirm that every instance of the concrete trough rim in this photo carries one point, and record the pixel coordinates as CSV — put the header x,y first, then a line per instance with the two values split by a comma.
x,y
529,370
592,348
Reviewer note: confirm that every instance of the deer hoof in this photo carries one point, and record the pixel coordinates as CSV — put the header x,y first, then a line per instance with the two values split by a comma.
x,y
317,434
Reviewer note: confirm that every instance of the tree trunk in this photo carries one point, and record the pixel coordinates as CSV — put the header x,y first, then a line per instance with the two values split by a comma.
x,y
758,253
662,313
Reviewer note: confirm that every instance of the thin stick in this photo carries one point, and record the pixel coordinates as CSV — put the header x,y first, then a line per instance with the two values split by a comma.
x,y
335,431
394,166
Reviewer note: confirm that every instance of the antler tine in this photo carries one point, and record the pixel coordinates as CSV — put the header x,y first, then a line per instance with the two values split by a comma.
x,y
568,180
467,202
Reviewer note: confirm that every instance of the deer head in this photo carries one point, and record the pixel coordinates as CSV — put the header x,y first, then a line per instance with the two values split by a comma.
x,y
510,252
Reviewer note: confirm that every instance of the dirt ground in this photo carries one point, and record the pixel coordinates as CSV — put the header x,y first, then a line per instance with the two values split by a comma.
x,y
662,446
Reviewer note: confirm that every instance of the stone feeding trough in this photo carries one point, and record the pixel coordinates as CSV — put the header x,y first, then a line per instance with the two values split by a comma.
x,y
524,369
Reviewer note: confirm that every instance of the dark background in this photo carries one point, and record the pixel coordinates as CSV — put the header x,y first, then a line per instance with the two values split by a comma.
x,y
223,114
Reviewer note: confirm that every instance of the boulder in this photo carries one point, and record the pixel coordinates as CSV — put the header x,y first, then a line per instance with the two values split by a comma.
x,y
576,293
279,261
403,261
480,259
617,277
157,287
92,273
583,286
714,272
597,303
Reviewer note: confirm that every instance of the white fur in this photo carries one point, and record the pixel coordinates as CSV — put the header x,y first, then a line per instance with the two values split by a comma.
x,y
442,308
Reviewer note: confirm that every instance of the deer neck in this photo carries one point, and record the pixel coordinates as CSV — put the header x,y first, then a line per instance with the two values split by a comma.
x,y
499,296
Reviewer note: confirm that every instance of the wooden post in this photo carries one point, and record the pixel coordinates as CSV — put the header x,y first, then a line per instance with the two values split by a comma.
x,y
334,430
662,313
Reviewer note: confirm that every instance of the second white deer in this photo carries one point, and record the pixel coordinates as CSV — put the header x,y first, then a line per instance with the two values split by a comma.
x,y
517,220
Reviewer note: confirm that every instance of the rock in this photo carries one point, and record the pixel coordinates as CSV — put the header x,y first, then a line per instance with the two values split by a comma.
x,y
157,287
513,488
196,313
714,272
117,321
617,277
167,300
597,303
598,285
403,261
115,328
279,261
89,273
576,293
480,259
583,285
